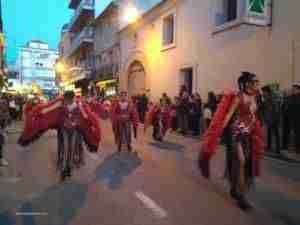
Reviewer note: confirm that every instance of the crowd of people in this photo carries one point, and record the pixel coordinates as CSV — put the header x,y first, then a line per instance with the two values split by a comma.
x,y
188,114
278,111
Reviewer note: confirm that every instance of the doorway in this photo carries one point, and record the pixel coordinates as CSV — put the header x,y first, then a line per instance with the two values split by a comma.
x,y
187,79
136,81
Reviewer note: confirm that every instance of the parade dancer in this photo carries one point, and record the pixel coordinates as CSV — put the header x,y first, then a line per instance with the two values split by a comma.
x,y
238,113
75,123
159,116
124,117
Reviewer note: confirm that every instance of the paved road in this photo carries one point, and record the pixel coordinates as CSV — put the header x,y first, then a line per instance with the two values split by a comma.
x,y
158,186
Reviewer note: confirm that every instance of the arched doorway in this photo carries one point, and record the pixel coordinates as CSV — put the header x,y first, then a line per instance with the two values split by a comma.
x,y
136,78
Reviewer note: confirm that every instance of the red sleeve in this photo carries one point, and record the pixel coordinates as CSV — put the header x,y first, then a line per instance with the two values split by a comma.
x,y
90,125
215,130
40,119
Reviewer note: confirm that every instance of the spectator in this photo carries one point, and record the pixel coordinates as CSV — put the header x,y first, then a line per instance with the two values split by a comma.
x,y
195,114
286,119
142,106
12,107
182,90
212,102
295,112
184,113
271,117
166,98
174,114
207,115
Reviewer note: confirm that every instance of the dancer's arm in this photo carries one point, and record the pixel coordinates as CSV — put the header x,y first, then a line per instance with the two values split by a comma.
x,y
231,111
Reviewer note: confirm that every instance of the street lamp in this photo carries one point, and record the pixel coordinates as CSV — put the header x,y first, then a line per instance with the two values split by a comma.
x,y
60,67
130,14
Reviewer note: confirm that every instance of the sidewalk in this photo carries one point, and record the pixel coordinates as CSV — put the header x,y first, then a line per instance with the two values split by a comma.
x,y
287,155
15,127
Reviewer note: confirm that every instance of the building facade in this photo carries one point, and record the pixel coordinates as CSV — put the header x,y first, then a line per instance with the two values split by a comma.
x,y
206,44
77,44
107,49
36,66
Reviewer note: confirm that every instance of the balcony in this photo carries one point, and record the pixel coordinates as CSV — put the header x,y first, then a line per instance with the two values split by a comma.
x,y
107,72
73,4
84,11
84,39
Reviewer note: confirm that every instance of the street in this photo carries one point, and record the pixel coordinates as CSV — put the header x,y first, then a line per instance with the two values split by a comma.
x,y
160,185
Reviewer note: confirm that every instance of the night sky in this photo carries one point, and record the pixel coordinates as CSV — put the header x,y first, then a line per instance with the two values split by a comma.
x,y
26,20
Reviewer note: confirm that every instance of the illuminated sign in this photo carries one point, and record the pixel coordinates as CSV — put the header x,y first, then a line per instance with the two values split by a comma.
x,y
259,12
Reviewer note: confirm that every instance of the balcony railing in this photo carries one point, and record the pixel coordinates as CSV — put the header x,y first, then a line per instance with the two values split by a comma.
x,y
106,72
86,35
84,5
73,4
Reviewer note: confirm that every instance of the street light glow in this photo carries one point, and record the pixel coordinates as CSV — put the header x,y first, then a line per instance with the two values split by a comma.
x,y
60,67
130,14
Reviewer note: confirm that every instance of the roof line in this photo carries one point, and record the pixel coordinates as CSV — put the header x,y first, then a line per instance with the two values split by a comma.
x,y
143,15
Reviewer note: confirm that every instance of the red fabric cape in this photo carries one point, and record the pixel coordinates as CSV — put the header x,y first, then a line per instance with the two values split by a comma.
x,y
39,121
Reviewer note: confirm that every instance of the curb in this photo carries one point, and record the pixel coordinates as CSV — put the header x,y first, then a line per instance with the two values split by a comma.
x,y
281,158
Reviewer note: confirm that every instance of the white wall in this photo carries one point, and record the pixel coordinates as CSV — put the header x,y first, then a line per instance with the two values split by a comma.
x,y
218,58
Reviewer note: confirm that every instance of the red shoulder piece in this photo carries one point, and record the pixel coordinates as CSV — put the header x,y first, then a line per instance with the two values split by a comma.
x,y
90,125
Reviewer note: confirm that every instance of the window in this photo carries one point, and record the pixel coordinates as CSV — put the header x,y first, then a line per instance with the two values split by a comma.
x,y
230,8
169,30
226,11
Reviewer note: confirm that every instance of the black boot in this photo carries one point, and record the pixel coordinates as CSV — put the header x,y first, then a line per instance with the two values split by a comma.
x,y
69,172
203,163
234,194
129,147
63,175
243,203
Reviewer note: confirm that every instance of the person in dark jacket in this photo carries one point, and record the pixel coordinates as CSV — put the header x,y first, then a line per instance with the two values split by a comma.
x,y
212,102
142,106
195,114
295,112
271,117
184,113
286,119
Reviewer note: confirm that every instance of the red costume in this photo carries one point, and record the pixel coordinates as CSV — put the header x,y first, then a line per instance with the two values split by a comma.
x,y
237,112
123,117
159,116
243,121
99,108
75,123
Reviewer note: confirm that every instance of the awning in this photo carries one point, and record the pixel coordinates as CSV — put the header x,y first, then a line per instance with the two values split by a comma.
x,y
104,83
74,78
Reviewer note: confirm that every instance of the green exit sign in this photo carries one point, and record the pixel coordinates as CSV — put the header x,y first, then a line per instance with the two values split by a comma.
x,y
257,6
259,12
